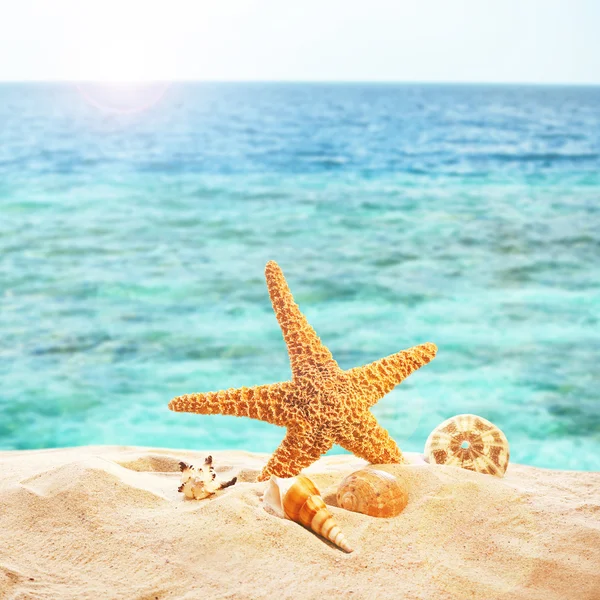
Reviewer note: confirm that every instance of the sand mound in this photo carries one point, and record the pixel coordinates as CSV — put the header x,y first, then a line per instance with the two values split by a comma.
x,y
109,523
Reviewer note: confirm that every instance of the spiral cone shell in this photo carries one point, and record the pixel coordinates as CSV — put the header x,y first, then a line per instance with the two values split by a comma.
x,y
470,442
372,492
299,500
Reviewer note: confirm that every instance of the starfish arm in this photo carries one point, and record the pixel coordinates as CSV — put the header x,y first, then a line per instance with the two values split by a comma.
x,y
297,450
369,440
375,380
262,402
304,346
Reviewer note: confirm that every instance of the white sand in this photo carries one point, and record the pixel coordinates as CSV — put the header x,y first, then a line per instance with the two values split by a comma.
x,y
107,522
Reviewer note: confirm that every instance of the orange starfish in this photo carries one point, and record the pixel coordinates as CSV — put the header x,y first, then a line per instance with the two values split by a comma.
x,y
322,405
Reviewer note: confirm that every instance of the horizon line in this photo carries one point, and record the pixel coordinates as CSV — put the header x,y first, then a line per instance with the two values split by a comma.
x,y
303,81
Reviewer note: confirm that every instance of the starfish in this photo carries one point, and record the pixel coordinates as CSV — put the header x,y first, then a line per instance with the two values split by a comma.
x,y
322,405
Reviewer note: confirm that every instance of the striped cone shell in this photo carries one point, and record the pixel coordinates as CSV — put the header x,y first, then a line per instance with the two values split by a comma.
x,y
299,500
470,442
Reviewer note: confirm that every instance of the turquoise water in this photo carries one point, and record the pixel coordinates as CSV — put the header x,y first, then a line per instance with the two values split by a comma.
x,y
133,245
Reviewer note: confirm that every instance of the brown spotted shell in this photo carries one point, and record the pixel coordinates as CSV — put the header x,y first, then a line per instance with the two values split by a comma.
x,y
372,492
470,442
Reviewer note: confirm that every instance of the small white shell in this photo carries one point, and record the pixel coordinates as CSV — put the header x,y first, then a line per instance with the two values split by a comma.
x,y
198,483
470,442
372,492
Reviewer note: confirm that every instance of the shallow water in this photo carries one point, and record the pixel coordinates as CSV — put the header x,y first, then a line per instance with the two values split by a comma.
x,y
132,250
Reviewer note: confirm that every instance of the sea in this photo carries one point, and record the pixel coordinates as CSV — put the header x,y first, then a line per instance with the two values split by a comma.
x,y
136,222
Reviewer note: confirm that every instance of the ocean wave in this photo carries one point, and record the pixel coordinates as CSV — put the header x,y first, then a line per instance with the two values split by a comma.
x,y
536,157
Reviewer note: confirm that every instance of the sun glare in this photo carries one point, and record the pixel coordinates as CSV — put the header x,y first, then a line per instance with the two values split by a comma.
x,y
117,60
119,75
121,97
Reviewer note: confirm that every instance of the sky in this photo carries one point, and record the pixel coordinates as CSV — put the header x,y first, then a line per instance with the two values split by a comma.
x,y
533,41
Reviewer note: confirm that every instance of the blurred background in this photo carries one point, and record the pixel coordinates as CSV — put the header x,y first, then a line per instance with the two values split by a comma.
x,y
136,218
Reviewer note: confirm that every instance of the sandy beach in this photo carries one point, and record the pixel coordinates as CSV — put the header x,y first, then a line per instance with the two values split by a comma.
x,y
108,522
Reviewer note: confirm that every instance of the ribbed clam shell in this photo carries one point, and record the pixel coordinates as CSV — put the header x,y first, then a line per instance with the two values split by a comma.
x,y
299,500
486,450
372,492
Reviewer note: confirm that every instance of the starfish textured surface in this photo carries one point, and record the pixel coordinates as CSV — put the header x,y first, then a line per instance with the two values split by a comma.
x,y
323,404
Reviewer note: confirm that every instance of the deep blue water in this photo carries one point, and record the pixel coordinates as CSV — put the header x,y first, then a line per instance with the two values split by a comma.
x,y
133,245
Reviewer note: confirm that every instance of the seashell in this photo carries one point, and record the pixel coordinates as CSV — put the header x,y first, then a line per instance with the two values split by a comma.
x,y
298,499
372,492
198,483
470,442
